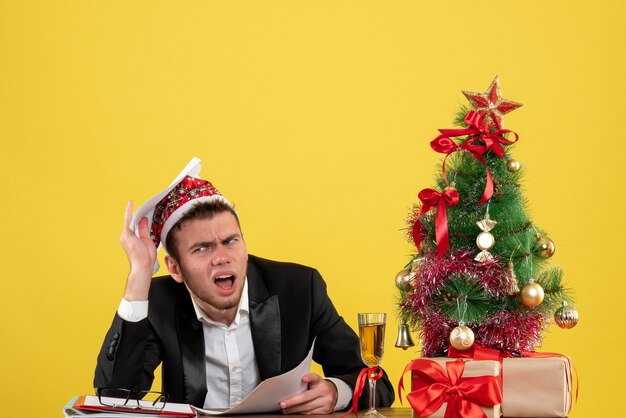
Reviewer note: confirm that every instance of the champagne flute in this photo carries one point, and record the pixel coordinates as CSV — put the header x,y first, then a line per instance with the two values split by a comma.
x,y
372,338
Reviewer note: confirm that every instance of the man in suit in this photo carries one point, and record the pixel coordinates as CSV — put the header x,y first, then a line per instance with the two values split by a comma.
x,y
223,320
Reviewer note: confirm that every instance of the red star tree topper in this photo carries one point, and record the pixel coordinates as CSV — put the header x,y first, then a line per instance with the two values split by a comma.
x,y
491,105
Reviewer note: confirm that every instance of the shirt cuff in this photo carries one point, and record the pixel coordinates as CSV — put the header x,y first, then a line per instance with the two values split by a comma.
x,y
133,311
344,393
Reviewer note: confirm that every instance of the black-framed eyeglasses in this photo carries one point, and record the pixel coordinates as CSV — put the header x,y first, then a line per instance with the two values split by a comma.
x,y
147,400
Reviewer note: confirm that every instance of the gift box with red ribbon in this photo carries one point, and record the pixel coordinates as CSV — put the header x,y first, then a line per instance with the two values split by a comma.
x,y
537,386
454,388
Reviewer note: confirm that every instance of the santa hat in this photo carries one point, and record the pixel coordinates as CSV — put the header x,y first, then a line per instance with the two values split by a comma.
x,y
166,208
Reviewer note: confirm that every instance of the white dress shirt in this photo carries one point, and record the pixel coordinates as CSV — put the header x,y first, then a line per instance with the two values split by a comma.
x,y
231,369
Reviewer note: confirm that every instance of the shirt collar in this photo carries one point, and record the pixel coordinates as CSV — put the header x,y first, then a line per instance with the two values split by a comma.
x,y
243,308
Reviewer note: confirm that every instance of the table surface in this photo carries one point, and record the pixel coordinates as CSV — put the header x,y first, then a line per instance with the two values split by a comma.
x,y
387,412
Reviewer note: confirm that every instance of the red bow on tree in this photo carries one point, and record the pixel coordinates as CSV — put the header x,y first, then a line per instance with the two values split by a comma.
x,y
431,198
433,386
477,129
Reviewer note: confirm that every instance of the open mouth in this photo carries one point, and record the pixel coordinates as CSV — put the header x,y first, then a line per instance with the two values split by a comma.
x,y
224,281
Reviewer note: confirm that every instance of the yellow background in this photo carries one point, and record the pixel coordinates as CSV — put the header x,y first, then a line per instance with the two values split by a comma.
x,y
314,118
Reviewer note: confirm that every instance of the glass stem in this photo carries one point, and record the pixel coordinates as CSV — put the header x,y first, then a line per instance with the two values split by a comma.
x,y
372,394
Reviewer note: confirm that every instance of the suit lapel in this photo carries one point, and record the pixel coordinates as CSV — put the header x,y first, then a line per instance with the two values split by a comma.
x,y
191,342
264,324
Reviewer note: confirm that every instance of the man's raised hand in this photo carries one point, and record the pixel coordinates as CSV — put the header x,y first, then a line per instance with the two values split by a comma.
x,y
141,253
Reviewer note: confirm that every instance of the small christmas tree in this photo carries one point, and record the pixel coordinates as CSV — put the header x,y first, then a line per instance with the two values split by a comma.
x,y
480,269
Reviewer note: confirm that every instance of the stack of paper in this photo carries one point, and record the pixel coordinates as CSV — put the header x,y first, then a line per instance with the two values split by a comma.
x,y
91,406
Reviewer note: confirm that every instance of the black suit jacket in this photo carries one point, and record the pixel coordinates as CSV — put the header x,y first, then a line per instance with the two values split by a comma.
x,y
289,307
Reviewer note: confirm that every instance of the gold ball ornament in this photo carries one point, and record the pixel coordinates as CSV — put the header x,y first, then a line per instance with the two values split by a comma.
x,y
462,337
545,247
532,294
404,279
512,165
566,317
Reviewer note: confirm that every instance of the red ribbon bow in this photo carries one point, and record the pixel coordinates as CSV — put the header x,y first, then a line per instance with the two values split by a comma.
x,y
431,198
478,130
434,386
373,373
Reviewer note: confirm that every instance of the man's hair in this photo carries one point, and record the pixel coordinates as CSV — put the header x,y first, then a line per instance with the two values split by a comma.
x,y
201,210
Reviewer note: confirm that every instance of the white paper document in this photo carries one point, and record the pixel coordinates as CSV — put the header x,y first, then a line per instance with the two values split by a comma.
x,y
266,396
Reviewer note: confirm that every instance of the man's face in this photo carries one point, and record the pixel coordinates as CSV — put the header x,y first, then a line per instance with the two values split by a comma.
x,y
212,262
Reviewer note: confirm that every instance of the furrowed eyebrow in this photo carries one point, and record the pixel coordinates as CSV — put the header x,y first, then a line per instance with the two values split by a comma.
x,y
212,244
208,244
230,237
